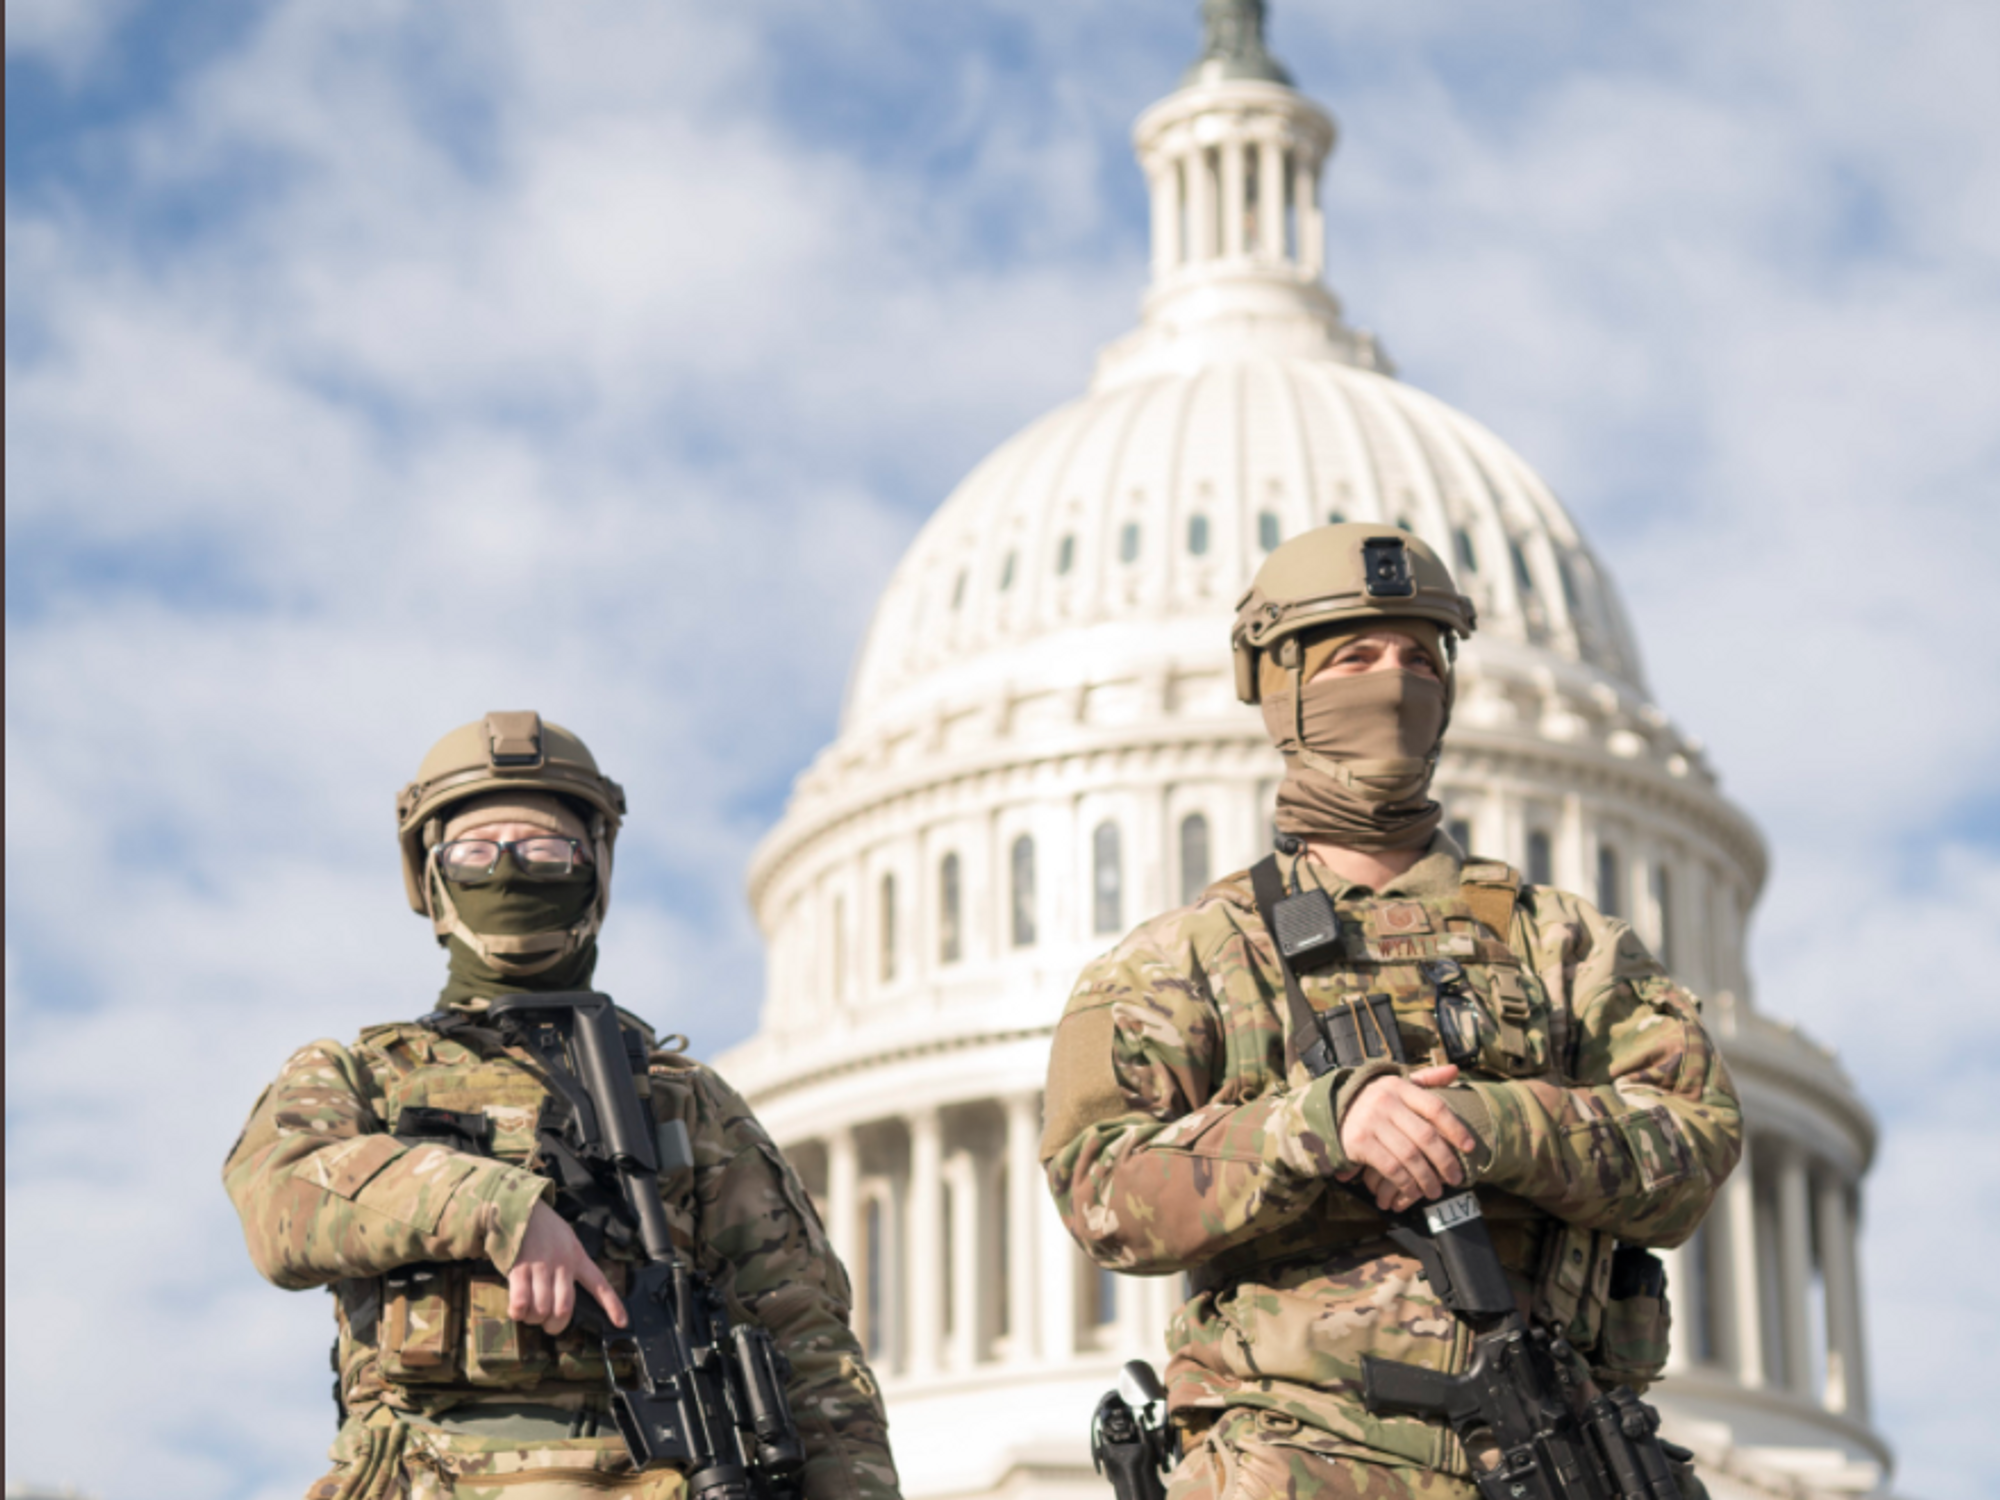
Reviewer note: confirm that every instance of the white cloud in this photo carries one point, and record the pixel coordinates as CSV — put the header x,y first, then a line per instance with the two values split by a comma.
x,y
422,366
66,35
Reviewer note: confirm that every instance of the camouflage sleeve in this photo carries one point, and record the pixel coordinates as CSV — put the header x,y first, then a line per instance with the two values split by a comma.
x,y
325,1193
1649,1125
757,1220
1155,1166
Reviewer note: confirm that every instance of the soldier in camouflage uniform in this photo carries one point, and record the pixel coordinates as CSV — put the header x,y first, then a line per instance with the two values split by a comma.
x,y
1595,1115
454,1280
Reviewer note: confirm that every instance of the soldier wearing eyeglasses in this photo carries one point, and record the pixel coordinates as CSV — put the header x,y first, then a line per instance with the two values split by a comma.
x,y
403,1173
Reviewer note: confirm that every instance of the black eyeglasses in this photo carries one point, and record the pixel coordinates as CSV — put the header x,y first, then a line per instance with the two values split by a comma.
x,y
476,861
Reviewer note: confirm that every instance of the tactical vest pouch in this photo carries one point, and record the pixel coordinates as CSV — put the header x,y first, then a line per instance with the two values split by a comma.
x,y
1515,1046
423,1322
500,1352
1632,1345
1574,1283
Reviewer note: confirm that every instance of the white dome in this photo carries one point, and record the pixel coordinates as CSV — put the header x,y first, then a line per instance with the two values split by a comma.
x,y
1156,500
1041,746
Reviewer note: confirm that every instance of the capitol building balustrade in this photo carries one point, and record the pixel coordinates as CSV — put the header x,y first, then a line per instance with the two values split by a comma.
x,y
1041,748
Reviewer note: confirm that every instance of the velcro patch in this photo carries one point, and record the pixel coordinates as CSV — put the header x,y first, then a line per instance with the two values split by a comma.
x,y
1398,917
1661,1149
1402,950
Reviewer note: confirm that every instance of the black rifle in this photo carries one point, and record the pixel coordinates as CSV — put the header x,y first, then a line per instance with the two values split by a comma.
x,y
1129,1439
705,1398
1558,1435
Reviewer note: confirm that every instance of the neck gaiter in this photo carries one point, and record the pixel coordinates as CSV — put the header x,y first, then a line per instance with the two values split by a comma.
x,y
1359,752
513,907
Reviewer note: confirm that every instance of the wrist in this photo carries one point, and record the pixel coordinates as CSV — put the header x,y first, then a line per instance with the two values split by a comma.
x,y
509,1213
1350,1082
1469,1103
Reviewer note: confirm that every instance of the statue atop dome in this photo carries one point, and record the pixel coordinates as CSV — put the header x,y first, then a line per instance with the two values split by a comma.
x,y
1232,45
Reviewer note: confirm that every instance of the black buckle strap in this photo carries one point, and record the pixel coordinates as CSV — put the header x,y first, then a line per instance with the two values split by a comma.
x,y
1304,926
463,1130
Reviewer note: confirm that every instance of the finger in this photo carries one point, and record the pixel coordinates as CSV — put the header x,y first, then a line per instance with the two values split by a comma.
x,y
543,1300
562,1300
1430,1138
1385,1176
520,1292
1445,1119
1414,1167
1390,1196
592,1280
1441,1075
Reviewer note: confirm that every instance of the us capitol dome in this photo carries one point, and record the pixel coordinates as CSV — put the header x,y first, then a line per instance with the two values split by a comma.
x,y
1040,748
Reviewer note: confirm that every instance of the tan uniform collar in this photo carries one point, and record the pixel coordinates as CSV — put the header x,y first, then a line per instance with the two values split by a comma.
x,y
1436,874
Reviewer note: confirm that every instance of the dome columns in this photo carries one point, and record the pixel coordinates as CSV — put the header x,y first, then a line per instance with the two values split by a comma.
x,y
1233,170
958,1259
1239,238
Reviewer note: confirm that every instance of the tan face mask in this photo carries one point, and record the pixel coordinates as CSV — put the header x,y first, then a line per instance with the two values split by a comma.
x,y
1359,752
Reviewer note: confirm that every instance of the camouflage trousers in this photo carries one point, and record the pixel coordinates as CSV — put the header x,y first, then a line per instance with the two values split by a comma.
x,y
1246,1457
388,1456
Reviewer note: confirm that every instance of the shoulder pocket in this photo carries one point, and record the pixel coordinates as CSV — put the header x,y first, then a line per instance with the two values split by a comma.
x,y
344,1169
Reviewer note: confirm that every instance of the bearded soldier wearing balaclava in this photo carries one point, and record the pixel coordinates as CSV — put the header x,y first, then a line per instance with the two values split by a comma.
x,y
1493,1034
407,1172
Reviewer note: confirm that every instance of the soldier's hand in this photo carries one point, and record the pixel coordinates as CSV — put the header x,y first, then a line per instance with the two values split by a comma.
x,y
1403,1140
541,1289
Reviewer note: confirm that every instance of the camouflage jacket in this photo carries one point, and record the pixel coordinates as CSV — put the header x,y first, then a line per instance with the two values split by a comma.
x,y
415,1239
1176,1141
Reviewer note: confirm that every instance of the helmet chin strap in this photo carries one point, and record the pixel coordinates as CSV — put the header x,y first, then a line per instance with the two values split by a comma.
x,y
519,956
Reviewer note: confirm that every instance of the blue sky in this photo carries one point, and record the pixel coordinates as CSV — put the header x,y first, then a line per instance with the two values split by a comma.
x,y
370,366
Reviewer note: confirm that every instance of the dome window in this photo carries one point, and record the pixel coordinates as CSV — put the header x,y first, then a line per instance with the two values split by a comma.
x,y
888,928
1467,554
839,946
874,1302
950,904
1194,858
1403,524
1608,881
1521,574
1541,858
1335,518
1021,864
1107,880
1007,573
1128,542
1198,535
1663,915
1568,581
1268,535
958,590
1460,830
1103,1293
1066,554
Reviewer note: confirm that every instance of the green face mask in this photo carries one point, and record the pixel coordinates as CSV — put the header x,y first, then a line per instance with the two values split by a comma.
x,y
513,907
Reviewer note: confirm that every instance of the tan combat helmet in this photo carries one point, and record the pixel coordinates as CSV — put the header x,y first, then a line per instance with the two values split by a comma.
x,y
1354,571
504,752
